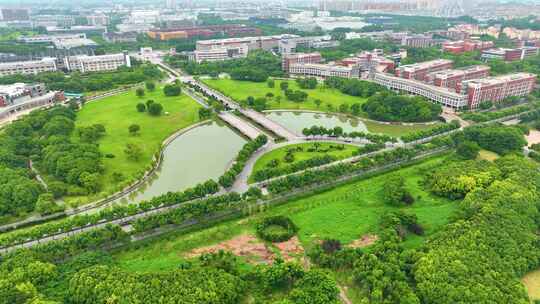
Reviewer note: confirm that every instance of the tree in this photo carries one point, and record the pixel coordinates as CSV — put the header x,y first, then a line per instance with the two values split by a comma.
x,y
133,151
134,129
139,92
205,113
468,150
317,102
284,85
172,90
270,83
141,107
149,102
45,204
155,109
394,191
150,86
90,181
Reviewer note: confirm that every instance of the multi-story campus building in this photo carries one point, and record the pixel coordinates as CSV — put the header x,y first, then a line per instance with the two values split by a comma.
x,y
324,70
440,95
253,43
19,92
468,93
203,31
85,63
452,78
368,61
497,88
419,71
221,53
28,67
289,44
299,58
420,41
458,47
510,54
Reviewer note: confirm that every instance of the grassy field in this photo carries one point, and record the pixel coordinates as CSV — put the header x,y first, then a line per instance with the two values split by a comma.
x,y
280,153
240,90
118,112
345,213
487,155
532,282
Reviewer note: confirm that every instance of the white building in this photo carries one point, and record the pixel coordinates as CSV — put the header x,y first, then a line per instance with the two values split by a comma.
x,y
85,63
28,67
437,94
324,70
221,53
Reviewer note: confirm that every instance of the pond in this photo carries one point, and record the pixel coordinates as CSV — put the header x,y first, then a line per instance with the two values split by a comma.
x,y
296,121
200,154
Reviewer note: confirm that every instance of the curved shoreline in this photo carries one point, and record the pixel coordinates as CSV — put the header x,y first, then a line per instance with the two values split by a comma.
x,y
353,117
156,164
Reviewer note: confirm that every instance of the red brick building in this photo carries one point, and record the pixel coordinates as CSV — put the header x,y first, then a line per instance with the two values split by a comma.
x,y
498,88
452,78
299,58
458,47
420,71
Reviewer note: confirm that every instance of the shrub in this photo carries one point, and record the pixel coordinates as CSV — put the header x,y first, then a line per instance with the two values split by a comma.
x,y
276,229
172,90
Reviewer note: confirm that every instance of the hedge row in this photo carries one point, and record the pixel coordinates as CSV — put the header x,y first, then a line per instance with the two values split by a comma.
x,y
228,178
431,131
332,173
116,212
487,116
59,250
195,210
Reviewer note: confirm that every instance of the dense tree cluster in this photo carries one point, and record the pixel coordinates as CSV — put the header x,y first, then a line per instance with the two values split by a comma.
x,y
496,137
390,107
228,178
172,90
102,284
490,246
89,82
296,95
455,179
44,136
354,87
257,66
307,83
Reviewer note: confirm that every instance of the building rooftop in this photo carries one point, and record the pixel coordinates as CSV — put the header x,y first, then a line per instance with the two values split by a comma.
x,y
425,64
244,39
72,43
500,79
455,72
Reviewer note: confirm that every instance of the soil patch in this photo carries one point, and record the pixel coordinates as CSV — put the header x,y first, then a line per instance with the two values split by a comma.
x,y
291,249
364,241
245,245
533,137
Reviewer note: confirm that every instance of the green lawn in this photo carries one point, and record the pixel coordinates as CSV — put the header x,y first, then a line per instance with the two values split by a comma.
x,y
240,90
345,213
280,153
118,112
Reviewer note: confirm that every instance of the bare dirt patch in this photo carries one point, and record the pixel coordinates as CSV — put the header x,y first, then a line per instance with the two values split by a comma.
x,y
291,249
245,245
533,137
364,241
